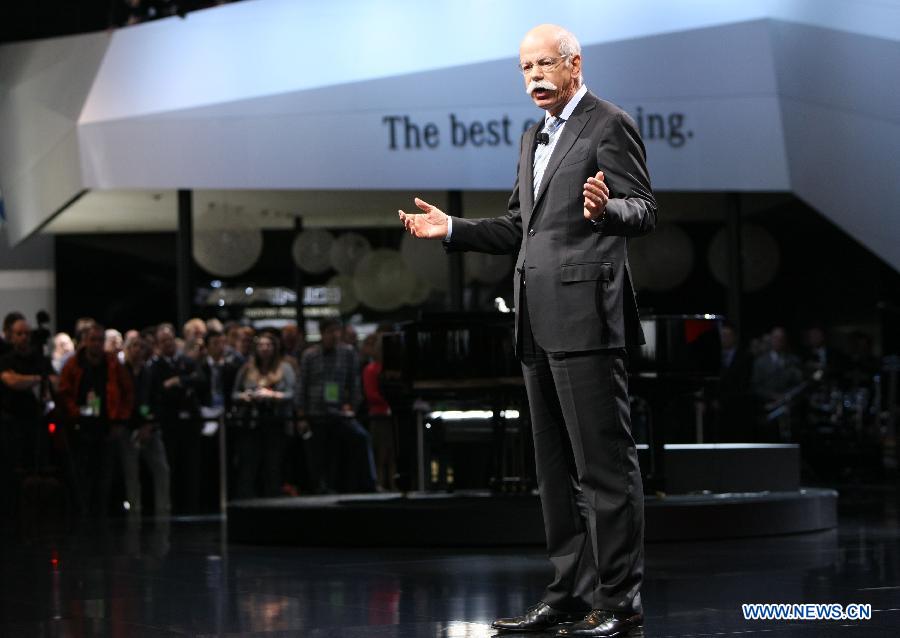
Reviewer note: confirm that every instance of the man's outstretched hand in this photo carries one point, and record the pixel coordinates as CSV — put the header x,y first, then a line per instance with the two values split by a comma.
x,y
431,224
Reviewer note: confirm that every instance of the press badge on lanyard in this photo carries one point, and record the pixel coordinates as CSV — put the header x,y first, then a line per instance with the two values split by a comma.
x,y
332,392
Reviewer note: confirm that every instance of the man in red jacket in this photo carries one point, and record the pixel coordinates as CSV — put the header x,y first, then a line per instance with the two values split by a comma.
x,y
97,397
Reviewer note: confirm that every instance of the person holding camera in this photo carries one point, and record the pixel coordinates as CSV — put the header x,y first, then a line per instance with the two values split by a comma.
x,y
26,382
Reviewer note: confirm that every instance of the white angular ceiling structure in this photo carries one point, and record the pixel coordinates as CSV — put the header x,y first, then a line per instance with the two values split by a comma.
x,y
358,95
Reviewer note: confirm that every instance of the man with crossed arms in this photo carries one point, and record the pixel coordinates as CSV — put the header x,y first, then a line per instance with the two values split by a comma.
x,y
582,189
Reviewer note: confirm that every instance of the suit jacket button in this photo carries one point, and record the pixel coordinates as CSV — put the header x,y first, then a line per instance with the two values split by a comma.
x,y
531,233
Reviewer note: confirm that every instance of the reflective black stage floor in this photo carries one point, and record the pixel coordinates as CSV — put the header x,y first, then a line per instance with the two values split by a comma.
x,y
183,579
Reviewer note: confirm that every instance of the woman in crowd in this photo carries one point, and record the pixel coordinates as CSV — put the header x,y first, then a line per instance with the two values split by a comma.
x,y
263,397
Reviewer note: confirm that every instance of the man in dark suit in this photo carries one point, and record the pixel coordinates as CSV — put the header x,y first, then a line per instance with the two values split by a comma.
x,y
777,371
216,374
174,403
734,407
582,189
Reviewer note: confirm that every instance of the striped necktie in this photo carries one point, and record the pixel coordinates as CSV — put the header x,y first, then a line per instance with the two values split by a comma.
x,y
543,151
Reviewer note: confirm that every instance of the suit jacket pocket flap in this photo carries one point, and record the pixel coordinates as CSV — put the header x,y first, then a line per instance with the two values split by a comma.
x,y
591,271
575,156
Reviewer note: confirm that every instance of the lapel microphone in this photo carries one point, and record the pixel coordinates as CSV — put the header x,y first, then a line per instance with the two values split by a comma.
x,y
543,138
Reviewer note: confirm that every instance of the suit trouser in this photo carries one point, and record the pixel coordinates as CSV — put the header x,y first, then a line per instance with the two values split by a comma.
x,y
588,475
153,452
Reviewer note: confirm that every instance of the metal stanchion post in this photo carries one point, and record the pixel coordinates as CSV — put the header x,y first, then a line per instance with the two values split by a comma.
x,y
890,410
699,414
223,468
420,407
420,448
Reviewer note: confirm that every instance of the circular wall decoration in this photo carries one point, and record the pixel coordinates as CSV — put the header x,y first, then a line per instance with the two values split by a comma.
x,y
760,259
382,281
662,260
312,251
347,251
349,301
225,243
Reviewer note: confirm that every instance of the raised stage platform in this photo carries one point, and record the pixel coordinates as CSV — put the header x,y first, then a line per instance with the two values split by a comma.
x,y
484,519
730,490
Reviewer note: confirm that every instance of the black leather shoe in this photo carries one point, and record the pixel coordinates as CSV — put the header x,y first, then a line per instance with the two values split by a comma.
x,y
602,624
538,618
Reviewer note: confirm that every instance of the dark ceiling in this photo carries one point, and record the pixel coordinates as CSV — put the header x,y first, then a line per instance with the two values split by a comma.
x,y
35,19
32,19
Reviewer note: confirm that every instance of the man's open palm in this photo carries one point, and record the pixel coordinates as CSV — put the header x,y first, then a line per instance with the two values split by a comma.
x,y
431,224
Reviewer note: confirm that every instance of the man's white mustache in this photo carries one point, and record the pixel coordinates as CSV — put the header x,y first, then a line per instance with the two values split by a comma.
x,y
539,84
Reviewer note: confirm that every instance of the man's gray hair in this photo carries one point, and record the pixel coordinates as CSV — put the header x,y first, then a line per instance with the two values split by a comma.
x,y
568,43
569,46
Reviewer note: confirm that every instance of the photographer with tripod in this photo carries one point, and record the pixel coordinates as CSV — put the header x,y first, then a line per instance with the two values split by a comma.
x,y
28,379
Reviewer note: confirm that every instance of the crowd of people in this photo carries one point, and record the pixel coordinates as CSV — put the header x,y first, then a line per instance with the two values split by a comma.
x,y
768,388
109,408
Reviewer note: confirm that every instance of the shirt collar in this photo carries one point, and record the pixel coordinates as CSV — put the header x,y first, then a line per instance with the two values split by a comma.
x,y
570,106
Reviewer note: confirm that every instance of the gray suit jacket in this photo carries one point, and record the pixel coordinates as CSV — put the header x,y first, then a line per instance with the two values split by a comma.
x,y
579,289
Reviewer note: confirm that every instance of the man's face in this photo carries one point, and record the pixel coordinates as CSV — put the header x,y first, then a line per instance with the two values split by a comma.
x,y
544,68
93,343
20,336
63,343
216,346
134,349
112,343
195,349
194,330
330,337
165,342
245,343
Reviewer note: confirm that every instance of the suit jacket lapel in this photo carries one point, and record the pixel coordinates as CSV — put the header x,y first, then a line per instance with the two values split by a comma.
x,y
526,172
567,139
